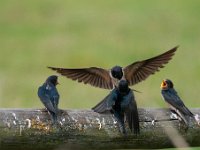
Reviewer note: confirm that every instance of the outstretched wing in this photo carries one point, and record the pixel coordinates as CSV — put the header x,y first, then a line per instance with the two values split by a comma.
x,y
132,114
94,76
140,70
105,106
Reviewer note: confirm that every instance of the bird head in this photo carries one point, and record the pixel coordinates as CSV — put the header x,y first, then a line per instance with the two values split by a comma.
x,y
166,84
123,86
117,72
53,80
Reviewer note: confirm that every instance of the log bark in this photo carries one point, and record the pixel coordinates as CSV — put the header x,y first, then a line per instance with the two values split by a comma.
x,y
84,129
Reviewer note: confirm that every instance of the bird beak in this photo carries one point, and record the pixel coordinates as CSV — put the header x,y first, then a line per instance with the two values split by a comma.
x,y
57,83
163,85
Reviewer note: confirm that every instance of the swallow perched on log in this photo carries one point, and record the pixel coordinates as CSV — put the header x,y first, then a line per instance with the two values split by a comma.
x,y
122,104
108,79
177,106
49,96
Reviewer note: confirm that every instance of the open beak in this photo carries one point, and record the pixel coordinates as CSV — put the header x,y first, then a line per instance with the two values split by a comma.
x,y
163,85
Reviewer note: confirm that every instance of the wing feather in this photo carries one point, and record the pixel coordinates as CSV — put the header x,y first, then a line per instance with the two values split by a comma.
x,y
174,100
106,105
140,70
46,100
132,115
94,76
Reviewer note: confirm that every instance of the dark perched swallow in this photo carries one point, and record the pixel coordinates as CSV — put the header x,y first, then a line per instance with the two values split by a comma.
x,y
49,96
122,104
177,106
108,79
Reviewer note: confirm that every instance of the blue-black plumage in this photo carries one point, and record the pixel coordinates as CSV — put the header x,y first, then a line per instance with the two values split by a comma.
x,y
49,96
122,104
170,96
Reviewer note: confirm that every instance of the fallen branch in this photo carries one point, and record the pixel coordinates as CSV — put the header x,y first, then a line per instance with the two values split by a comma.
x,y
32,129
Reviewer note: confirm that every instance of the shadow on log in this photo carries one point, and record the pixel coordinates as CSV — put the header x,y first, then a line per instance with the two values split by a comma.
x,y
84,129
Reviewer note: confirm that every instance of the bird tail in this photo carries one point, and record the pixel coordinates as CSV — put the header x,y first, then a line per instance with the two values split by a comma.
x,y
133,120
188,112
54,117
186,115
136,125
195,117
189,115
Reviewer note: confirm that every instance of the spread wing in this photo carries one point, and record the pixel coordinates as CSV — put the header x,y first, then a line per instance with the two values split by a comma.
x,y
140,70
105,106
94,76
132,115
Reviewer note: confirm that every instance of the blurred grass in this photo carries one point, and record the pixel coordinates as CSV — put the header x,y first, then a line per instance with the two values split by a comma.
x,y
35,34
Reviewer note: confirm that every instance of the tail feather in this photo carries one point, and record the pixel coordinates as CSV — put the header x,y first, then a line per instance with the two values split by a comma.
x,y
54,117
189,113
133,121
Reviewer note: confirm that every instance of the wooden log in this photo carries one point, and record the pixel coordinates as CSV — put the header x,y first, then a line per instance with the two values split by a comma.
x,y
84,129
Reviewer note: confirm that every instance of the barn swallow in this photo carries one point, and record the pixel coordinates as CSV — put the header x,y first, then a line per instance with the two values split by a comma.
x,y
121,102
49,96
108,79
177,106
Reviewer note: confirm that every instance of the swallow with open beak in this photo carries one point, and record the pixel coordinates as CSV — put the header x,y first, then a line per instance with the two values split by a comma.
x,y
49,96
108,79
122,104
177,106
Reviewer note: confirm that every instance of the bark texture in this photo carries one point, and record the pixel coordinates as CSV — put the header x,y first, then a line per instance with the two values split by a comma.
x,y
84,129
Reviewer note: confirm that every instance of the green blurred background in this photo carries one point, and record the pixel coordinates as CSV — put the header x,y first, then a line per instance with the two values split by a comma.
x,y
35,34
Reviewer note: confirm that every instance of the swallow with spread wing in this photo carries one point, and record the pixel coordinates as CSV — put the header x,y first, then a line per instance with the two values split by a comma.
x,y
177,106
122,104
108,79
49,96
